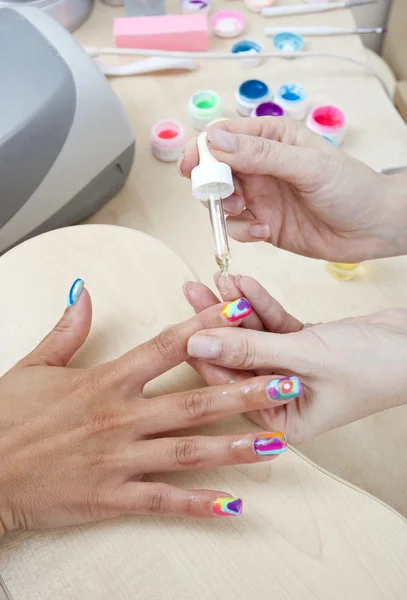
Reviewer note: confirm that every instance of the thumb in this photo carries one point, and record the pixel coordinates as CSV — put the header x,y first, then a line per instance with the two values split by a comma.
x,y
68,335
253,155
246,349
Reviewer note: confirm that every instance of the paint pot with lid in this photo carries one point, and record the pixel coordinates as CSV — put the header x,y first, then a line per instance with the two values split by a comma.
x,y
268,109
228,23
292,97
328,121
249,49
195,6
167,140
250,94
204,107
287,41
258,5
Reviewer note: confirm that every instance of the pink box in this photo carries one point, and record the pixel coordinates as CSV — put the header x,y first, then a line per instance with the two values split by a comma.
x,y
163,32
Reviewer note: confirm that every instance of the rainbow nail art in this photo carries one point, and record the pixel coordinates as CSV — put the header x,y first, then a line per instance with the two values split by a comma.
x,y
285,388
270,443
234,311
228,506
75,291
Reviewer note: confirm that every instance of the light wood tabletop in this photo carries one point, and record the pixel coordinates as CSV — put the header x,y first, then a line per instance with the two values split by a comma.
x,y
157,201
303,535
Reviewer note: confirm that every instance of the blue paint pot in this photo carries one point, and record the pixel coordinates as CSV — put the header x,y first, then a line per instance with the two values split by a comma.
x,y
250,94
249,49
287,41
292,97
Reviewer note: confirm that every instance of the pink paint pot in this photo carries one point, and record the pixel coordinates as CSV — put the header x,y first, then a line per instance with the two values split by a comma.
x,y
167,140
328,121
228,23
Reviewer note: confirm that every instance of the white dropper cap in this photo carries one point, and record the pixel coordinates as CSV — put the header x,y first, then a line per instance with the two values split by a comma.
x,y
210,177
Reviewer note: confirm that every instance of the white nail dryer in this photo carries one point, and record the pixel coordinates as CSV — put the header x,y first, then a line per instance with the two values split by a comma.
x,y
66,145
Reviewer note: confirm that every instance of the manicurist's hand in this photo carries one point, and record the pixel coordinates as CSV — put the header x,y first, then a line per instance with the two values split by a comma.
x,y
75,443
348,369
295,190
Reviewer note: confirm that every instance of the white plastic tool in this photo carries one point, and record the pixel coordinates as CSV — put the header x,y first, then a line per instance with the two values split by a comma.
x,y
210,176
299,9
212,181
148,65
317,31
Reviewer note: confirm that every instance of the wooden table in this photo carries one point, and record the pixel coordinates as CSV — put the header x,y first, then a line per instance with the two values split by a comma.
x,y
157,201
303,536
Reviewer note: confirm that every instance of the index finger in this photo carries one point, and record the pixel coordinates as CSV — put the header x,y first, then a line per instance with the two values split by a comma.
x,y
169,348
279,129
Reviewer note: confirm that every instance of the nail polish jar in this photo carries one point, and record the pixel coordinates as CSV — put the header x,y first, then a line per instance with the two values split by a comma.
x,y
287,41
228,23
292,97
328,121
268,109
258,5
167,140
250,94
249,49
204,107
195,6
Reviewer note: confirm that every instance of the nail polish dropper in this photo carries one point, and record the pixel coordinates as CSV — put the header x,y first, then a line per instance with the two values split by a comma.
x,y
212,182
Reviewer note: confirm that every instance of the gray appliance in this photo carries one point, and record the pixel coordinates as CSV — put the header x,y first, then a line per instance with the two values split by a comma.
x,y
66,145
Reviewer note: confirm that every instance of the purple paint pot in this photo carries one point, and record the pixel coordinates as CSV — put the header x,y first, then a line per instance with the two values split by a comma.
x,y
268,109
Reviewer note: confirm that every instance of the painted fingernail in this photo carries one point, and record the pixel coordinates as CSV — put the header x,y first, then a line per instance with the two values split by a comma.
x,y
228,506
285,388
204,346
179,163
75,292
270,443
239,309
260,231
222,140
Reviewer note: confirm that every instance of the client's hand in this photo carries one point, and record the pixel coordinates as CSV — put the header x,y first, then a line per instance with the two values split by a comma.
x,y
349,369
294,189
75,443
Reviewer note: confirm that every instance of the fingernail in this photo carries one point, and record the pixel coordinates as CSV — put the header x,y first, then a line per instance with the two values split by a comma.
x,y
270,443
228,506
232,204
260,231
185,290
222,140
204,346
239,309
75,291
179,163
285,388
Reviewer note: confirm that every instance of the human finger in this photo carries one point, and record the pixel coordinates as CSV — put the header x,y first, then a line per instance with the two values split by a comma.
x,y
160,499
252,321
207,452
169,348
68,335
272,315
210,404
